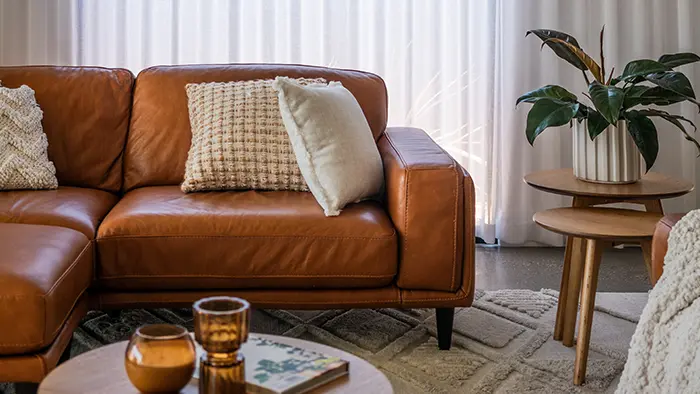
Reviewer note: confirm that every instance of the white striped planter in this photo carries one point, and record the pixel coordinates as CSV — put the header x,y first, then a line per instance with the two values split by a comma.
x,y
612,157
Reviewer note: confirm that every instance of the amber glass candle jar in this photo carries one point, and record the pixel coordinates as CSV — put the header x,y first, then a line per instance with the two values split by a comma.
x,y
160,358
221,326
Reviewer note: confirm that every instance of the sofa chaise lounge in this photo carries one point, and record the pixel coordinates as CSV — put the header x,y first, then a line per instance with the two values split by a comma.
x,y
119,233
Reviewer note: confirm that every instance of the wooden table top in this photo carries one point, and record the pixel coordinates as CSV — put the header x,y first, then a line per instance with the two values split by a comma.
x,y
599,223
652,186
101,371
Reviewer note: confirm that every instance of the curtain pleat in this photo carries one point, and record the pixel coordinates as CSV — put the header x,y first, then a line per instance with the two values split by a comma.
x,y
452,67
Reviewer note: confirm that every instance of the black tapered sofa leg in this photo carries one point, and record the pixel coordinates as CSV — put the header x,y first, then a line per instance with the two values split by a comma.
x,y
444,318
26,388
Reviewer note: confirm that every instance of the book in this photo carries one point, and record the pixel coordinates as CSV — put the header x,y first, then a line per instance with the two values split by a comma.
x,y
277,368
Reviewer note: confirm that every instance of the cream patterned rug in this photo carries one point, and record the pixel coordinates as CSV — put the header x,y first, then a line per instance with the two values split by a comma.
x,y
503,344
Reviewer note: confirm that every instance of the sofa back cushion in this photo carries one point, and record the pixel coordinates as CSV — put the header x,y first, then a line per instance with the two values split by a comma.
x,y
86,117
160,133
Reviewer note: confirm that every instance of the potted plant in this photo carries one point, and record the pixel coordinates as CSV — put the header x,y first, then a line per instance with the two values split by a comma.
x,y
615,127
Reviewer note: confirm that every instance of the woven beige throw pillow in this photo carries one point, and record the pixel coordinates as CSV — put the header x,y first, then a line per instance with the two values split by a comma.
x,y
238,138
24,161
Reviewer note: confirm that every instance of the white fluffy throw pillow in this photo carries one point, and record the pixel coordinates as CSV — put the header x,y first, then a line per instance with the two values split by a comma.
x,y
332,142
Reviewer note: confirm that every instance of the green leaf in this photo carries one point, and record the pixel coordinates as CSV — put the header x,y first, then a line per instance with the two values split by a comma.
x,y
648,95
642,67
676,121
590,63
582,112
644,134
596,124
679,59
547,92
548,113
673,81
560,50
608,100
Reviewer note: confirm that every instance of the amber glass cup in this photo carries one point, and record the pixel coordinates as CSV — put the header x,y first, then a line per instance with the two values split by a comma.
x,y
221,326
160,358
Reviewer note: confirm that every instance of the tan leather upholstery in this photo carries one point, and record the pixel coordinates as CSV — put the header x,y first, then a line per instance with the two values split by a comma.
x,y
426,200
86,115
659,244
160,238
156,246
160,133
43,272
33,367
72,207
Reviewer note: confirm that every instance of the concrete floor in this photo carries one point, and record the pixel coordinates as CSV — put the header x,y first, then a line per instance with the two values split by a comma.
x,y
535,268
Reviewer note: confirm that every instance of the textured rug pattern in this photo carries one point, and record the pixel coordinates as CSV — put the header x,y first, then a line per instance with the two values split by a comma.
x,y
503,344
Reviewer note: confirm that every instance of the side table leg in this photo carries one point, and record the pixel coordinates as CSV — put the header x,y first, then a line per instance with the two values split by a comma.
x,y
572,293
563,291
654,206
590,283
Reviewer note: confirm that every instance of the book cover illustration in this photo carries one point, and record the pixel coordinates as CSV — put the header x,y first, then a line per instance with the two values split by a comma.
x,y
280,366
274,367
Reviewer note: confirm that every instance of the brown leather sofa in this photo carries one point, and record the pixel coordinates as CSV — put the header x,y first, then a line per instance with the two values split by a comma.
x,y
659,244
119,233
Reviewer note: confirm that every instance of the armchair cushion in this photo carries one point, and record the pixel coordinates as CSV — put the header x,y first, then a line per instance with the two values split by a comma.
x,y
430,200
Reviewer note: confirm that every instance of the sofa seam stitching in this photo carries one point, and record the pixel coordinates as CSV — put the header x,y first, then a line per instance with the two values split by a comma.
x,y
246,276
117,237
60,326
65,273
404,239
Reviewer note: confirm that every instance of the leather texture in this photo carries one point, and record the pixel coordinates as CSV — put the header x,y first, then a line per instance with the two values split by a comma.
x,y
42,276
33,367
86,116
383,297
659,244
160,134
425,197
160,247
71,207
160,238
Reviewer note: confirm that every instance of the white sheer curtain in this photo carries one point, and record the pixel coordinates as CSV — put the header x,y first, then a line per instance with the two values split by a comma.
x,y
452,67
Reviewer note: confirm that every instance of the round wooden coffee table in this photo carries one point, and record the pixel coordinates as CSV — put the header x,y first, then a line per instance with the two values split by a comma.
x,y
590,229
101,371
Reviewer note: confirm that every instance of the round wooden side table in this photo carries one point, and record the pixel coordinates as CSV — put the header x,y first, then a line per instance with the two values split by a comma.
x,y
102,371
649,191
589,229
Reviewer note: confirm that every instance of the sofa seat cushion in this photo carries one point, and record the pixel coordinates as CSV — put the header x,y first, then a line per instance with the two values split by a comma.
x,y
72,207
43,272
160,238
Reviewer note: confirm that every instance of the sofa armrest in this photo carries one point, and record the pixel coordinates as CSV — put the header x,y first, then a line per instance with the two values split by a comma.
x,y
659,244
430,199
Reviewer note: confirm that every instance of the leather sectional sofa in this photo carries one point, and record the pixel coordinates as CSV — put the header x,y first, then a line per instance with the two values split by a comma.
x,y
119,233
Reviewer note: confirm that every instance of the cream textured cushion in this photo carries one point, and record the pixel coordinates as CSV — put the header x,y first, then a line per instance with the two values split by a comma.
x,y
24,161
238,139
332,142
